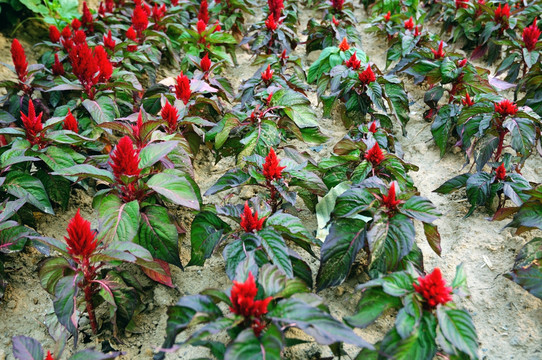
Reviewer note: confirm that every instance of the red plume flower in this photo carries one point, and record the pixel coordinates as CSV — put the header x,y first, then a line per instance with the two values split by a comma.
x,y
461,4
242,299
81,240
201,26
467,101
101,9
343,46
337,4
76,24
170,115
433,289
182,88
109,43
417,31
267,75
79,37
87,18
205,63
70,123
66,32
271,24
389,201
502,13
374,155
335,21
271,168
387,16
140,20
54,34
174,2
283,56
131,34
83,66
506,107
125,160
19,60
500,172
105,66
32,124
353,62
462,63
530,36
275,8
250,221
157,14
58,68
49,356
440,53
372,127
409,24
367,76
203,13
217,27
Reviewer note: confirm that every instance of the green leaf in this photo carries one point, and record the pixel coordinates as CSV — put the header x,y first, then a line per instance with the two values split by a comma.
x,y
398,100
291,227
26,348
523,134
119,221
420,208
51,271
247,346
478,189
458,328
229,180
174,188
155,152
296,106
65,302
206,231
102,110
86,171
25,186
527,271
89,354
433,237
276,249
453,184
373,303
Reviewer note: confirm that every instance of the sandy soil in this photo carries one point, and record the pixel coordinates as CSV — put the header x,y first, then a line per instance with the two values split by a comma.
x,y
506,317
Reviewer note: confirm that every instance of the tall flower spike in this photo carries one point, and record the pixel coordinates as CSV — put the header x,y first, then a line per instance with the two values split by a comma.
x,y
500,172
337,4
506,107
343,46
417,31
201,26
461,4
70,123
58,68
275,8
140,20
19,60
335,21
76,24
409,24
102,60
271,168
271,24
267,75
49,356
502,14
109,43
250,221
79,37
54,34
203,13
217,27
440,53
367,76
205,63
462,63
374,155
182,88
467,101
530,36
124,160
32,124
87,18
66,32
433,289
387,16
170,115
372,127
353,62
81,240
389,201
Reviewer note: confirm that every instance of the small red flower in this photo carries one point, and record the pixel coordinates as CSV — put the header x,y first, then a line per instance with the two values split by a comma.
x,y
409,24
374,155
467,101
109,43
271,24
242,299
530,36
267,75
250,221
343,46
140,20
271,168
433,289
283,56
54,34
203,13
58,68
389,201
157,14
87,18
462,63
502,13
201,26
19,60
125,160
101,9
461,4
372,127
367,76
170,115
32,124
182,88
217,27
49,356
387,16
353,62
500,172
70,123
79,37
417,31
506,107
174,2
76,24
440,53
337,4
205,63
102,60
131,34
66,32
335,21
81,240
275,8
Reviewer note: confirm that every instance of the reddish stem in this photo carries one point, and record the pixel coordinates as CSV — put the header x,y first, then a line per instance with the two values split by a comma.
x,y
502,134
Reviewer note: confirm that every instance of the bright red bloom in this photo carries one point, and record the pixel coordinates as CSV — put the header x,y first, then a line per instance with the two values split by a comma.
x,y
109,43
81,240
372,127
201,26
440,53
530,36
19,60
76,24
502,13
110,5
417,31
467,101
203,13
66,32
205,63
58,68
433,289
70,123
375,155
242,299
49,356
157,14
506,107
462,63
54,34
343,46
337,4
335,21
170,115
79,37
389,201
409,24
174,2
275,8
217,27
250,221
387,16
140,20
83,66
136,131
125,160
32,124
271,24
101,9
105,66
500,172
182,88
353,62
267,75
87,18
461,4
367,76
283,56
131,34
271,168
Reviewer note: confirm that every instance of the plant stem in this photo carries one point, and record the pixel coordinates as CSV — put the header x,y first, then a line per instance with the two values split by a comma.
x,y
502,133
90,307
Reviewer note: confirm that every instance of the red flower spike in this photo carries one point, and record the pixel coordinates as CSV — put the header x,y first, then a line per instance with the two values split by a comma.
x,y
267,75
353,62
433,289
275,8
337,4
389,201
70,123
409,24
500,172
32,124
268,101
174,2
271,24
530,36
110,5
87,18
124,160
19,60
205,63
250,221
84,66
502,13
201,26
58,68
462,63
131,34
101,9
203,13
105,66
467,101
372,127
79,37
374,155
217,27
335,21
170,115
76,24
271,168
417,31
81,241
367,76
54,34
461,4
182,88
440,53
140,20
283,56
49,356
109,43
343,46
66,32
506,107
387,16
